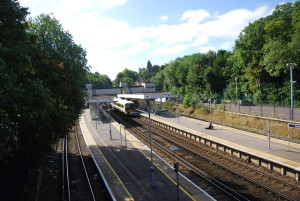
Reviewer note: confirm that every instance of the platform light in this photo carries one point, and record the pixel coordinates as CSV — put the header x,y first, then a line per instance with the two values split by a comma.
x,y
292,66
109,124
236,89
151,150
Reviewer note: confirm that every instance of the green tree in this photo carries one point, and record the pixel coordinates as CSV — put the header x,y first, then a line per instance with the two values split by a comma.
x,y
14,65
159,80
145,74
149,66
61,66
98,80
129,76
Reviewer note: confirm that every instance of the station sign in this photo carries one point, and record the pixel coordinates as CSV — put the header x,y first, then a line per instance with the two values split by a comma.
x,y
291,125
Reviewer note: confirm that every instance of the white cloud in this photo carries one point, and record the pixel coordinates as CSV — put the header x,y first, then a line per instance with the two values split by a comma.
x,y
33,1
195,16
141,46
226,45
164,18
231,24
205,49
113,44
170,50
200,41
80,5
226,26
106,4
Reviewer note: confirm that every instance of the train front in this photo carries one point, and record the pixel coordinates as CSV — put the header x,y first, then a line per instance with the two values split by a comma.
x,y
130,109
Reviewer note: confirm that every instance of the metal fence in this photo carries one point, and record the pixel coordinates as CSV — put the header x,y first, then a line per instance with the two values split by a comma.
x,y
273,111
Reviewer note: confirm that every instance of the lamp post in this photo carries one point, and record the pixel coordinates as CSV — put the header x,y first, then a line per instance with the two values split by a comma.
x,y
151,152
292,65
109,124
176,107
210,108
97,115
210,126
236,89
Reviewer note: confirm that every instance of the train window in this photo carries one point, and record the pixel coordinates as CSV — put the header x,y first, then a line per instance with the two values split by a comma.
x,y
129,106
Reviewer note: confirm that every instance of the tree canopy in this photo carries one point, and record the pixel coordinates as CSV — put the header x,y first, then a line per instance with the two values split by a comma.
x,y
126,75
42,74
98,80
258,65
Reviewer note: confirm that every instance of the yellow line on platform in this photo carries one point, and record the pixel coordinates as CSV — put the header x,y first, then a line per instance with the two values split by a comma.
x,y
119,179
162,171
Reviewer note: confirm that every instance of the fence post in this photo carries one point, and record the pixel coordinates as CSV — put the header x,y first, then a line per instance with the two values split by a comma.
x,y
269,132
249,108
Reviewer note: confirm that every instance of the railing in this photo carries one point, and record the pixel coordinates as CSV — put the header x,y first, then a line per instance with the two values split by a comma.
x,y
273,111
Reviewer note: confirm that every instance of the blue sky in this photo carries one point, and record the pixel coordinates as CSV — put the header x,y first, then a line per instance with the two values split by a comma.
x,y
119,34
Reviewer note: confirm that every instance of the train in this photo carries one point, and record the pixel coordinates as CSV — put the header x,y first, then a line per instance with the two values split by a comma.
x,y
125,106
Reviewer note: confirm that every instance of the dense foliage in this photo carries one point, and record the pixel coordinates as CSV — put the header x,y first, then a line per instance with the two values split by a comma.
x,y
126,75
258,68
42,74
98,80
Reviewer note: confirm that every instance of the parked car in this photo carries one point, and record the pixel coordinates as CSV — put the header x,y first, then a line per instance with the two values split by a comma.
x,y
245,103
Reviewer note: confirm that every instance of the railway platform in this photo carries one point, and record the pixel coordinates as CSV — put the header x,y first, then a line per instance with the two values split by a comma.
x,y
124,163
281,156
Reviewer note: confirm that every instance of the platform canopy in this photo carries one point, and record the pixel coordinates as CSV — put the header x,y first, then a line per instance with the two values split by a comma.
x,y
145,96
100,99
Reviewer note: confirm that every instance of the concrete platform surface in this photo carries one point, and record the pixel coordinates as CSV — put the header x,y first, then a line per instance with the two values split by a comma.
x,y
124,163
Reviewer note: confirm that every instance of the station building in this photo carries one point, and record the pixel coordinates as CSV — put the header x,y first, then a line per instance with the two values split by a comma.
x,y
146,87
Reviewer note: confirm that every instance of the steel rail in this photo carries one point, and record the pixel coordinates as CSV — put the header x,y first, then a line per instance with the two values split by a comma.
x,y
227,190
195,143
63,170
280,194
66,162
84,167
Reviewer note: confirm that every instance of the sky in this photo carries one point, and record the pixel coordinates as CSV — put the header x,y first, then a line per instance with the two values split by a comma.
x,y
119,34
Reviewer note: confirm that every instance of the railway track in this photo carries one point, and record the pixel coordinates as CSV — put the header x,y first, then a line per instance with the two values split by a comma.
x,y
220,191
249,172
249,182
81,180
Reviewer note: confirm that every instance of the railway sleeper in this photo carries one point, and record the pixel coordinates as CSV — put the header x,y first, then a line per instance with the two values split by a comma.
x,y
250,158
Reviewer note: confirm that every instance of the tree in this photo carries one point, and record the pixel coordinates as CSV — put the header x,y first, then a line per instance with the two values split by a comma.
x,y
149,66
61,64
98,80
129,76
159,80
145,74
14,63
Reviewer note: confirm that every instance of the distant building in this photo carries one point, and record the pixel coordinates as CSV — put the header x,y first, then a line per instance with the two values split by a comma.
x,y
123,84
146,87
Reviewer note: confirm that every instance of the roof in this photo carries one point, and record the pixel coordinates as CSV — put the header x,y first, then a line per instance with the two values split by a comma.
x,y
124,101
101,99
145,96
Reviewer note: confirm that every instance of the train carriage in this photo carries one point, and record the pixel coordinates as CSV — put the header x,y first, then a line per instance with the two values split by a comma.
x,y
125,106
